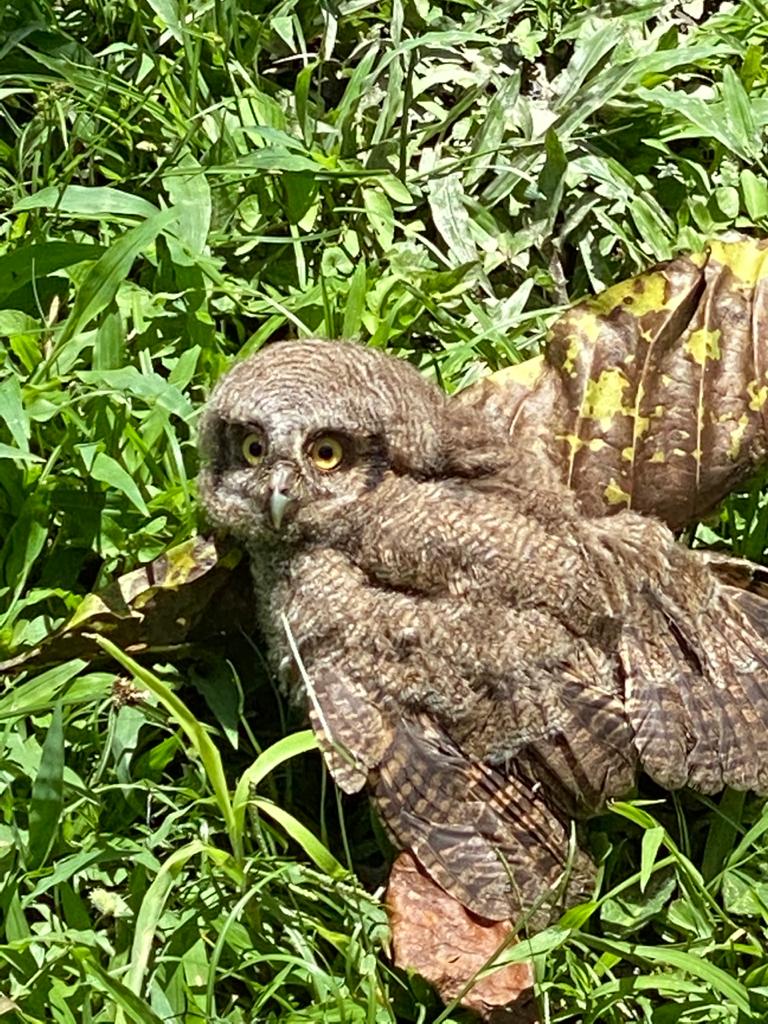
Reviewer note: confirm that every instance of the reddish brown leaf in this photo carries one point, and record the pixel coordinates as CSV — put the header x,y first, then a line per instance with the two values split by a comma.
x,y
433,934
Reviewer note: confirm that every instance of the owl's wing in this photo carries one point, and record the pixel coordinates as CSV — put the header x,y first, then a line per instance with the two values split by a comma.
x,y
352,733
696,683
488,839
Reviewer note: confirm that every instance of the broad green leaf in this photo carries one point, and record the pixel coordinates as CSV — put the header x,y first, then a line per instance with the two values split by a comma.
x,y
7,452
739,116
755,192
627,912
190,195
35,261
23,543
12,412
167,17
150,387
109,346
446,201
109,471
380,216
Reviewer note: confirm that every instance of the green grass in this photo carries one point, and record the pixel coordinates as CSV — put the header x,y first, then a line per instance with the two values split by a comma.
x,y
181,181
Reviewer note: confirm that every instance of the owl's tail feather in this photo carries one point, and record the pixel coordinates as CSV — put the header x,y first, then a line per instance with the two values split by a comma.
x,y
491,841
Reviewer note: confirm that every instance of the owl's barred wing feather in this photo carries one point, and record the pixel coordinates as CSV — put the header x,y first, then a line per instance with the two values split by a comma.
x,y
590,756
697,693
351,731
490,840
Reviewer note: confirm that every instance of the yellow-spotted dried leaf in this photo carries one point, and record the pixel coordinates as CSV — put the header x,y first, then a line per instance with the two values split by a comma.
x,y
652,395
192,592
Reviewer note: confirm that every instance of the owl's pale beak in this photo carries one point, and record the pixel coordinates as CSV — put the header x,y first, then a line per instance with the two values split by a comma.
x,y
281,498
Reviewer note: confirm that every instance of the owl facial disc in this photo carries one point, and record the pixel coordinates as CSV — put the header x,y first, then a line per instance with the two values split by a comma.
x,y
281,497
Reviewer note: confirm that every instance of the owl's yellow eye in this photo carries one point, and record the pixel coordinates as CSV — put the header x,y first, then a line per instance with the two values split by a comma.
x,y
253,449
327,453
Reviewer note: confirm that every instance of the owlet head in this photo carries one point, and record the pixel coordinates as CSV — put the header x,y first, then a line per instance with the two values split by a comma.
x,y
293,436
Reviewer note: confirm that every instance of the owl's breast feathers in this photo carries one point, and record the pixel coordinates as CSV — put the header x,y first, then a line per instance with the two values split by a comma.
x,y
480,670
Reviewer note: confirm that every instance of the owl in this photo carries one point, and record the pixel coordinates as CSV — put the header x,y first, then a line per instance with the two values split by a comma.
x,y
490,663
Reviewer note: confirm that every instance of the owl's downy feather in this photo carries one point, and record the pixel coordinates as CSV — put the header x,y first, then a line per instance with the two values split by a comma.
x,y
486,660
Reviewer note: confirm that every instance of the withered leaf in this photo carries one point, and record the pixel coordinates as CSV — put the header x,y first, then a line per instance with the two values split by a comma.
x,y
192,592
652,395
433,934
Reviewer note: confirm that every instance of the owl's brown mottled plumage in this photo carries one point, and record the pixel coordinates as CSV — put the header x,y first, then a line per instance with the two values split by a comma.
x,y
488,661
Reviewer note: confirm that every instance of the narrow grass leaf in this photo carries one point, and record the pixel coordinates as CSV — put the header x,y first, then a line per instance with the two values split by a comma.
x,y
201,741
39,694
696,966
129,1005
283,750
652,840
355,304
99,202
151,909
309,843
100,285
47,793
749,840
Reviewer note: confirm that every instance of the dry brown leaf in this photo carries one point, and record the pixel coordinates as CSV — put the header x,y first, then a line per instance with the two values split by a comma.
x,y
191,593
433,934
653,395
